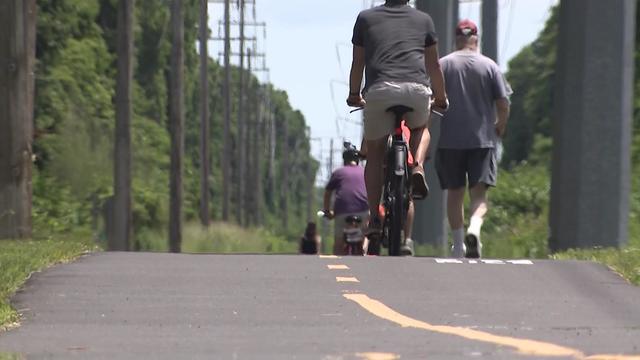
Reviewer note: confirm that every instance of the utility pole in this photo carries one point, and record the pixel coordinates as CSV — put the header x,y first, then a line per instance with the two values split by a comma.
x,y
241,136
226,154
176,118
284,184
490,29
592,124
430,226
310,179
17,62
204,114
250,139
122,218
331,158
258,159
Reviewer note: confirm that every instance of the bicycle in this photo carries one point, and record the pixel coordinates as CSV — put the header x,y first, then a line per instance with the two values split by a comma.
x,y
353,236
396,190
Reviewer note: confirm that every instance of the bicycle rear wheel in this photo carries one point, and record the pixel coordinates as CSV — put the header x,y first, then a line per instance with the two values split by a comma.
x,y
396,220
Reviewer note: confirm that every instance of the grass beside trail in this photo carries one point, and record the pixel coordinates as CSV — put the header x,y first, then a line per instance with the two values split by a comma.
x,y
626,262
220,238
19,258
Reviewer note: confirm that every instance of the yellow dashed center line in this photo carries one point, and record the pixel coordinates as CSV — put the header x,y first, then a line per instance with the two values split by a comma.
x,y
338,267
522,346
378,356
528,347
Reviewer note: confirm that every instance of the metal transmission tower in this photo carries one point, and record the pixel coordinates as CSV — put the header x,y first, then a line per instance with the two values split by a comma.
x,y
592,124
431,225
204,113
176,120
490,29
17,63
122,217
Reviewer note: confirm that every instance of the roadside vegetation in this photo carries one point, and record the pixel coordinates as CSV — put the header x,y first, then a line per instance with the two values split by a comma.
x,y
20,258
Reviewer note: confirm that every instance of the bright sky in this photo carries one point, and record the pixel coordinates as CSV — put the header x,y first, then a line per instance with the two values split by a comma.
x,y
308,52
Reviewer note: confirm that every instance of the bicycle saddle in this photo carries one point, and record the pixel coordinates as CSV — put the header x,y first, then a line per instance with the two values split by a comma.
x,y
399,110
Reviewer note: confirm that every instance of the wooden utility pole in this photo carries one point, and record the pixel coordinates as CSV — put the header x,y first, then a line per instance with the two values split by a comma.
x,y
250,163
258,147
226,153
311,182
122,218
490,29
176,119
204,114
284,182
241,136
17,62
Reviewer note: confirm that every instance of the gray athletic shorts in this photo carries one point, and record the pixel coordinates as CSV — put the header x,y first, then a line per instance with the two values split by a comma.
x,y
455,166
378,123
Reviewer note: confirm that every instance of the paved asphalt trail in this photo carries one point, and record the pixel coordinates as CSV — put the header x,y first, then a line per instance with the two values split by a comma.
x,y
167,306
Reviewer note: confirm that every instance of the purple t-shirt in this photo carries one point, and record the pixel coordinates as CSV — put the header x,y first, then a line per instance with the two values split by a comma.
x,y
351,193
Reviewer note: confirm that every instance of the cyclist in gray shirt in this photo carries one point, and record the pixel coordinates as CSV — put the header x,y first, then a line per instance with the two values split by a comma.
x,y
396,46
470,133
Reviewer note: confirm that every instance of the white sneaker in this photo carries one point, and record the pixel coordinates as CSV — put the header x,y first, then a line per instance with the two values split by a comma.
x,y
458,252
407,248
473,246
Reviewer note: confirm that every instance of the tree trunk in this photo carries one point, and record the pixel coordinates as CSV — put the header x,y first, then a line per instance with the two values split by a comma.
x,y
120,241
176,119
17,60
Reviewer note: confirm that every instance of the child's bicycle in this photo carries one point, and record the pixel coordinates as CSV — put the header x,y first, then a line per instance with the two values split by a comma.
x,y
352,231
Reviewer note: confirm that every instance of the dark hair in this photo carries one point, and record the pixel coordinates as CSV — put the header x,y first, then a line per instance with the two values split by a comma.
x,y
350,153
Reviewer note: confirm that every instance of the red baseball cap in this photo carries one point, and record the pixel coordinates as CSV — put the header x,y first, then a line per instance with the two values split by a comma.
x,y
466,27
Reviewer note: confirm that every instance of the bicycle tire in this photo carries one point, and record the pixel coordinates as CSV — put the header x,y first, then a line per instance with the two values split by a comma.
x,y
398,203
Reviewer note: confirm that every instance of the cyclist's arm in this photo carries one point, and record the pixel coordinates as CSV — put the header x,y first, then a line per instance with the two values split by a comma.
x,y
357,68
327,200
432,63
503,109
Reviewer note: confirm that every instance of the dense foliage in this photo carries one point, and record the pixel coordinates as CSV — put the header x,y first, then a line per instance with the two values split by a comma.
x,y
75,116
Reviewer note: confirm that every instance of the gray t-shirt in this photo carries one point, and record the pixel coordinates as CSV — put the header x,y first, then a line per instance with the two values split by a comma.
x,y
473,82
394,38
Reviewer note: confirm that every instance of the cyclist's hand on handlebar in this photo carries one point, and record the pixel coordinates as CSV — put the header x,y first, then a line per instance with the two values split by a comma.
x,y
329,214
440,104
355,100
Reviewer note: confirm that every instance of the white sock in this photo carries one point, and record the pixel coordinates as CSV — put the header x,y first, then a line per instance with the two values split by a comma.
x,y
458,238
475,225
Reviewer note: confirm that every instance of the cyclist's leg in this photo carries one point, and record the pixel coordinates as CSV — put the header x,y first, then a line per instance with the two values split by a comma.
x,y
418,97
419,144
452,171
482,166
338,235
373,173
378,124
408,225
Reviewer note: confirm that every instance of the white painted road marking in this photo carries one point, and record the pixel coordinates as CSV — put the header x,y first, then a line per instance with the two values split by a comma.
x,y
484,261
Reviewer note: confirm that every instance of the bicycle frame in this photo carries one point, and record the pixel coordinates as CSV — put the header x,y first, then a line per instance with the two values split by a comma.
x,y
396,194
